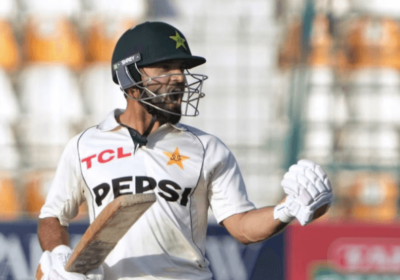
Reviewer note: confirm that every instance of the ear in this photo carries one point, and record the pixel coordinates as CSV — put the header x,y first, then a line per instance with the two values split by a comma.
x,y
133,91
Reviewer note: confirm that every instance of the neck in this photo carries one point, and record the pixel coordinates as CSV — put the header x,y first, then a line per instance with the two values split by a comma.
x,y
137,117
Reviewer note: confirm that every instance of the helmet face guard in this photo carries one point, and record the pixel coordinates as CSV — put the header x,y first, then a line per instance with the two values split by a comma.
x,y
189,96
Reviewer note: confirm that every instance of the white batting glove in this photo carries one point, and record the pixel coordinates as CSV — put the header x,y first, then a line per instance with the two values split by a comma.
x,y
308,189
96,274
53,263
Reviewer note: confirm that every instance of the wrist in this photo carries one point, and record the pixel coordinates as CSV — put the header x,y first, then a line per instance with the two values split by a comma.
x,y
62,249
62,253
281,212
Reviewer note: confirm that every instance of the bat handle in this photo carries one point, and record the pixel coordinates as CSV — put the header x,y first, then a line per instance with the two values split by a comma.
x,y
39,273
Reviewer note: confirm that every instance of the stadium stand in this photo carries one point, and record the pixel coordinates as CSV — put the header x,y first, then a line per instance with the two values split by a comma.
x,y
8,148
321,43
9,55
9,203
374,90
52,110
68,8
368,196
9,107
372,42
133,9
99,93
349,110
53,39
102,37
50,91
36,184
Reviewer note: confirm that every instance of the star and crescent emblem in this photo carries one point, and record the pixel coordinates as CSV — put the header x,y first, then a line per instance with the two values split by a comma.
x,y
176,158
179,40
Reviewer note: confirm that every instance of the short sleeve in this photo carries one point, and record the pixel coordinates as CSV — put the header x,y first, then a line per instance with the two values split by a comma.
x,y
65,195
226,188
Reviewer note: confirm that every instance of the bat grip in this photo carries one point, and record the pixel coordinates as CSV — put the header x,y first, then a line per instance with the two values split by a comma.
x,y
39,273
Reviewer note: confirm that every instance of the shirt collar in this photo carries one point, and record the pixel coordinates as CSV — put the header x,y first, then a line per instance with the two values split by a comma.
x,y
110,122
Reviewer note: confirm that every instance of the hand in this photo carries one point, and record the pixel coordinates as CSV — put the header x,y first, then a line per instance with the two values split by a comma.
x,y
309,193
53,263
96,274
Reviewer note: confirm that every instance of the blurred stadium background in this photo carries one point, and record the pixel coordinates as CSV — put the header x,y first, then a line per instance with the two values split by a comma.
x,y
288,79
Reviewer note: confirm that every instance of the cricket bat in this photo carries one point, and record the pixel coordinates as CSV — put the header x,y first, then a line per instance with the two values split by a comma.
x,y
106,230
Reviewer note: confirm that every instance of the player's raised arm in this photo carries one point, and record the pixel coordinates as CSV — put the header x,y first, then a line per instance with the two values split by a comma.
x,y
254,226
309,195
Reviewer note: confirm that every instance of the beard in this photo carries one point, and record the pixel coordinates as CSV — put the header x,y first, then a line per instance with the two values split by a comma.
x,y
164,117
167,117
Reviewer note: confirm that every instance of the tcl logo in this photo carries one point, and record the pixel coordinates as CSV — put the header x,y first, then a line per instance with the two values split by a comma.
x,y
105,156
366,254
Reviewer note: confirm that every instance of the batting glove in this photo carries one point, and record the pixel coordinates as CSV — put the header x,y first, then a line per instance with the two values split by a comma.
x,y
53,263
309,193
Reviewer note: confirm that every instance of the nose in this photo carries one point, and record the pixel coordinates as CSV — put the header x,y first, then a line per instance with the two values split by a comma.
x,y
177,76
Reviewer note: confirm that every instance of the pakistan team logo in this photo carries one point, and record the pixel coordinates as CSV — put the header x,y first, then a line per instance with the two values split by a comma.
x,y
176,158
179,40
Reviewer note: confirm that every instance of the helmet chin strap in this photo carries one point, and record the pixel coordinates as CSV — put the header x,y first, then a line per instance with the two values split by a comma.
x,y
138,139
150,127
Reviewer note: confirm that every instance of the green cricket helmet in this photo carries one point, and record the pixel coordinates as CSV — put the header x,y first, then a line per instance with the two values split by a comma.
x,y
150,43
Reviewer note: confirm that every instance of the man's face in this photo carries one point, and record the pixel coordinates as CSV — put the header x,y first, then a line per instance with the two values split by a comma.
x,y
171,80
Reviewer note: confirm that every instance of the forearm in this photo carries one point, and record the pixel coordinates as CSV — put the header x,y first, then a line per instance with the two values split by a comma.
x,y
259,224
254,226
52,234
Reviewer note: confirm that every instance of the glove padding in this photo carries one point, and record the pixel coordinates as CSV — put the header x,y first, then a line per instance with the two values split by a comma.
x,y
309,193
53,263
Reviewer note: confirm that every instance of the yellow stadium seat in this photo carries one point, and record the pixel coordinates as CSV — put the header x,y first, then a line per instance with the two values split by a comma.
x,y
369,42
9,55
102,37
53,40
37,185
372,43
374,198
290,51
36,188
321,43
9,202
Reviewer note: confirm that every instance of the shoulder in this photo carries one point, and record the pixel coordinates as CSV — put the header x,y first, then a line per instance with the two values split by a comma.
x,y
73,143
203,136
88,132
211,143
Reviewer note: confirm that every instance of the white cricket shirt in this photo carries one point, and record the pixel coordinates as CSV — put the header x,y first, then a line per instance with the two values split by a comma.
x,y
188,169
